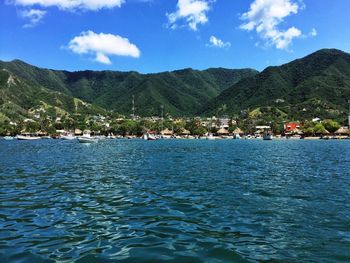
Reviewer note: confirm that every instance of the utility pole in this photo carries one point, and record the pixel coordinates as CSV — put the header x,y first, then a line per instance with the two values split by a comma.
x,y
162,108
133,107
349,115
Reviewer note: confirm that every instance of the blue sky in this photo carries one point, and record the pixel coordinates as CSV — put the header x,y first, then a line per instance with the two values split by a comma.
x,y
160,35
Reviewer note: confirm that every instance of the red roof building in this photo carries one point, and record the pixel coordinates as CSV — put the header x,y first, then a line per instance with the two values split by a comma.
x,y
291,126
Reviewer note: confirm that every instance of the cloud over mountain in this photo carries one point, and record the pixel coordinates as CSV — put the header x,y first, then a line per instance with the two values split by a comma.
x,y
102,46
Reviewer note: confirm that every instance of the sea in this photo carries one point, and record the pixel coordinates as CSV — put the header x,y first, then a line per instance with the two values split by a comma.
x,y
175,201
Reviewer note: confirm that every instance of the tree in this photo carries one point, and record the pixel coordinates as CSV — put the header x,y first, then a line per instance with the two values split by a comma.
x,y
331,125
277,128
199,131
128,127
179,126
32,126
192,125
320,129
231,128
68,123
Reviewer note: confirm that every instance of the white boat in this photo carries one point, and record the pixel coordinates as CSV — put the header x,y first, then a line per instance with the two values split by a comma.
x,y
67,136
28,137
8,138
248,137
86,138
149,137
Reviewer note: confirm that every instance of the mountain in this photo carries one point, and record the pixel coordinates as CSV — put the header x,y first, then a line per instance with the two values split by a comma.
x,y
316,85
18,97
181,92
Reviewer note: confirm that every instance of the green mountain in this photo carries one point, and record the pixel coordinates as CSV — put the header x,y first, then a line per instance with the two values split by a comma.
x,y
183,92
19,96
316,85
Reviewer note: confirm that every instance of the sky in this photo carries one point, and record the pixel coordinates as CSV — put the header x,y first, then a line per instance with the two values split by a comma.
x,y
151,36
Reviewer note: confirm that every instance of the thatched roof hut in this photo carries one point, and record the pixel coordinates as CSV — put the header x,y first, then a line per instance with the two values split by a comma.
x,y
342,131
167,132
222,131
237,131
184,132
322,132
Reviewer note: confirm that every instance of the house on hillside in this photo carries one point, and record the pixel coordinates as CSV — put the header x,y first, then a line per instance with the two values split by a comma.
x,y
224,123
28,120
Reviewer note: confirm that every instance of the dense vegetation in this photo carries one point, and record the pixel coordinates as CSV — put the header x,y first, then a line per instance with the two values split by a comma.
x,y
18,97
182,92
317,85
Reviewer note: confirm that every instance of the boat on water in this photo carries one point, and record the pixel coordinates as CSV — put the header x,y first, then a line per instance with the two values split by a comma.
x,y
67,136
268,136
86,138
28,137
149,137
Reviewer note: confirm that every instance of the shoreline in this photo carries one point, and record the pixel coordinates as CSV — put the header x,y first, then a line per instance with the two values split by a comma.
x,y
244,138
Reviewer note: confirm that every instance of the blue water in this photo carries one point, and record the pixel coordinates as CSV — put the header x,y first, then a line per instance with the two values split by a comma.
x,y
175,201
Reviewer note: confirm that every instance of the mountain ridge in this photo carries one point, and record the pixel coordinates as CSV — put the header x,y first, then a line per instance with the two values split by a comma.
x,y
322,76
315,85
182,92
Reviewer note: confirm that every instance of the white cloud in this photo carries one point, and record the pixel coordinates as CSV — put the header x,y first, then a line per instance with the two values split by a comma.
x,y
265,16
72,4
216,42
34,16
193,11
102,58
313,32
102,46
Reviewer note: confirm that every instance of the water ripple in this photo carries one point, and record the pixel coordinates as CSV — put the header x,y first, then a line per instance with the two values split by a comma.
x,y
175,201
